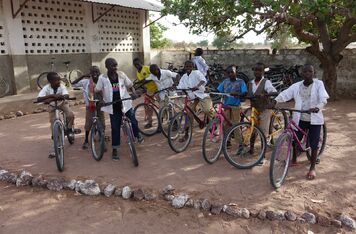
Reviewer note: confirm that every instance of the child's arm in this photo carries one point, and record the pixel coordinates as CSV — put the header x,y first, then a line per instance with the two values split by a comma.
x,y
80,78
202,81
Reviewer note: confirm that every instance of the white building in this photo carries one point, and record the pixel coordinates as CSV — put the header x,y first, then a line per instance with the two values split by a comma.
x,y
32,32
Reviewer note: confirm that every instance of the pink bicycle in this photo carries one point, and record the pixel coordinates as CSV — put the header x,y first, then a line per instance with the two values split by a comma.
x,y
214,133
283,149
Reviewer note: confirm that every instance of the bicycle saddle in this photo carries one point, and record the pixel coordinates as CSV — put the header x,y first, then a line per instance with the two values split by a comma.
x,y
66,62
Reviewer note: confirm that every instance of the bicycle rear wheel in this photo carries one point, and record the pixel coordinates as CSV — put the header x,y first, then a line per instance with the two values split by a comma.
x,y
322,142
130,141
58,142
279,122
42,80
244,145
281,156
141,113
213,141
165,115
180,132
97,140
74,74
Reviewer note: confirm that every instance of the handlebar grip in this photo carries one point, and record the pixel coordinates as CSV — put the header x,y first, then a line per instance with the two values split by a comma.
x,y
72,98
77,89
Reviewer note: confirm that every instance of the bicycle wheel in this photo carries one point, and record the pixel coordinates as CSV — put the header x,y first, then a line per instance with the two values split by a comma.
x,y
142,111
281,156
180,132
213,141
165,115
58,142
4,87
74,74
97,140
130,141
322,142
279,122
244,145
42,80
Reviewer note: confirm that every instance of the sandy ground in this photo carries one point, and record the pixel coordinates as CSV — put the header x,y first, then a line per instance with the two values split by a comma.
x,y
29,210
25,143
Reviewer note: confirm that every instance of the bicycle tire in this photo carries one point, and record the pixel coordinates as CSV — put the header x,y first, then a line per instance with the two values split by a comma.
x,y
97,140
4,88
58,143
174,132
139,112
165,115
74,74
209,130
130,142
42,80
323,142
241,150
276,183
273,126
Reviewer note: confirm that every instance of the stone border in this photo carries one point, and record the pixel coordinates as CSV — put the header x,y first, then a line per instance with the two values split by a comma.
x,y
19,113
176,200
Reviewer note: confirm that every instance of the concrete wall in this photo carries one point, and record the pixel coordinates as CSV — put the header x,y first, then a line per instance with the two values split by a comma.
x,y
64,30
246,59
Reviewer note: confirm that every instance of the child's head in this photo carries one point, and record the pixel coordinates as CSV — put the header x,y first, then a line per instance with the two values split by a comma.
x,y
54,79
137,63
231,71
188,66
95,73
111,65
198,52
308,72
154,69
259,70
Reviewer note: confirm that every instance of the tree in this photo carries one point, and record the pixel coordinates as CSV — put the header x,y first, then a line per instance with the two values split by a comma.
x,y
223,42
327,26
203,43
157,39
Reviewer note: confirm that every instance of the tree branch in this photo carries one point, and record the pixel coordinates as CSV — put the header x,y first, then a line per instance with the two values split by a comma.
x,y
267,25
344,37
324,34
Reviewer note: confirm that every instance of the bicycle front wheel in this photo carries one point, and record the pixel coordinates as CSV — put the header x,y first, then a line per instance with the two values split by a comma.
x,y
58,142
74,74
180,132
97,140
130,142
165,115
244,145
213,141
42,80
281,155
322,142
147,118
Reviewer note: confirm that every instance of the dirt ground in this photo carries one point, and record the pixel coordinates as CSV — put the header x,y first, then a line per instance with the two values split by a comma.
x,y
29,210
25,143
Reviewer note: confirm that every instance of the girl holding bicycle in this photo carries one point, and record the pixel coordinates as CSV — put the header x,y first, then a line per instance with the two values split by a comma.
x,y
309,94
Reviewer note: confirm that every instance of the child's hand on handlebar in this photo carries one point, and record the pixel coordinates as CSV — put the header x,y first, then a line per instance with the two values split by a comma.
x,y
314,110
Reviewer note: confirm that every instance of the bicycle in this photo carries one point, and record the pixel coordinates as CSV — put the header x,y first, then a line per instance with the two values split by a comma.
x,y
126,127
4,87
214,132
181,127
66,78
252,144
281,77
97,133
283,149
59,130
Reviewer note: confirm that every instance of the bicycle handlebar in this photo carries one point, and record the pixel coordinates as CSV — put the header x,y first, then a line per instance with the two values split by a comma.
x,y
116,101
293,110
69,99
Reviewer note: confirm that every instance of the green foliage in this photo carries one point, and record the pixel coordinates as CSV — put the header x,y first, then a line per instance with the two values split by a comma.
x,y
203,43
157,39
223,42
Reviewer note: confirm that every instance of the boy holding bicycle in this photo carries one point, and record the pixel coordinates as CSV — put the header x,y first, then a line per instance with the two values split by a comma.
x,y
87,83
114,86
52,92
309,94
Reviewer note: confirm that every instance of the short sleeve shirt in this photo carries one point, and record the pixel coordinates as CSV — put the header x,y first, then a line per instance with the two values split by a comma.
x,y
143,74
48,90
235,86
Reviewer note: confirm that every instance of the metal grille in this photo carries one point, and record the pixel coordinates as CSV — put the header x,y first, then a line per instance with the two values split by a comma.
x,y
119,30
3,45
54,27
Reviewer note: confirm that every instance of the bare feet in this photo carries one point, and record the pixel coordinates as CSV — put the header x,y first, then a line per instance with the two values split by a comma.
x,y
311,175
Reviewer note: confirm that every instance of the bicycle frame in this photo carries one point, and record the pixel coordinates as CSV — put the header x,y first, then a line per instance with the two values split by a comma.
x,y
150,100
187,109
290,129
221,116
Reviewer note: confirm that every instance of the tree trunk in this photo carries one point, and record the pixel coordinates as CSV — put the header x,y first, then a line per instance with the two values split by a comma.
x,y
330,78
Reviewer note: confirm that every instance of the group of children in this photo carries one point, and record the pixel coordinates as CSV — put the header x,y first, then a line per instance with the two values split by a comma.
x,y
113,85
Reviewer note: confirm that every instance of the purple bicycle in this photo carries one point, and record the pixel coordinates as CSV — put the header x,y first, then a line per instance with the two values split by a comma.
x,y
283,149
